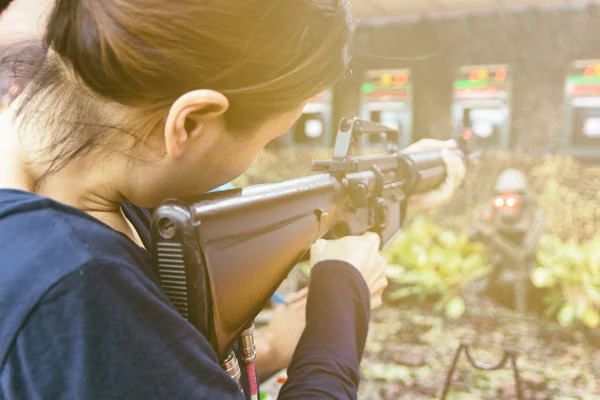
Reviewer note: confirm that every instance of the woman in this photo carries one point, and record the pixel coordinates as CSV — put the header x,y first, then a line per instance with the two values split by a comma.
x,y
136,101
275,343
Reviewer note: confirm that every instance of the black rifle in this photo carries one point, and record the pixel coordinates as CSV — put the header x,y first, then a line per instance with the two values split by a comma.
x,y
221,256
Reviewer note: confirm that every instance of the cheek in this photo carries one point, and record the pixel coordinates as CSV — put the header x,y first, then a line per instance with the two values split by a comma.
x,y
236,161
248,156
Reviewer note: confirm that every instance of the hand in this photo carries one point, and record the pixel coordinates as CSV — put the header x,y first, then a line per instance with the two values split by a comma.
x,y
455,175
276,346
360,251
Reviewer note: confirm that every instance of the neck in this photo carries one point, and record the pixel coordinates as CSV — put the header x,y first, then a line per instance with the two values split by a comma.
x,y
83,183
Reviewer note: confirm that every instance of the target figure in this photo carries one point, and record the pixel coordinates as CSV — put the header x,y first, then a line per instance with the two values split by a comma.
x,y
511,227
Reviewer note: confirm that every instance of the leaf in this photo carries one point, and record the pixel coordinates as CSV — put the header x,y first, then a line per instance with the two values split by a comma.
x,y
451,265
545,260
421,228
402,293
421,277
422,259
574,254
591,290
562,271
580,307
455,307
590,318
394,272
385,372
480,273
447,239
566,315
553,305
438,256
542,278
472,262
594,261
397,373
305,269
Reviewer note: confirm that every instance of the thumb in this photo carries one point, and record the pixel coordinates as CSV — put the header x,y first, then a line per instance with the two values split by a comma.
x,y
454,165
318,247
297,296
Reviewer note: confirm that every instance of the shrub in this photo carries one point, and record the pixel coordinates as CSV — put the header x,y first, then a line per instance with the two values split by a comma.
x,y
572,272
429,262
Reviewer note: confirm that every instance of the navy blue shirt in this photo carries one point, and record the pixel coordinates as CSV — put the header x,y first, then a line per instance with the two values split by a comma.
x,y
83,317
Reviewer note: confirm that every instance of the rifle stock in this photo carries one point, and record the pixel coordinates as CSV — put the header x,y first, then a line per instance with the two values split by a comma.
x,y
220,257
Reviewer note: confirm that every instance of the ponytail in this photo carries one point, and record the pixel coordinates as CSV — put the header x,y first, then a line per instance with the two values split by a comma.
x,y
4,5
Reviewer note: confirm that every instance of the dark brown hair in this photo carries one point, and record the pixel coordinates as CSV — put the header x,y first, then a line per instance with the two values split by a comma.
x,y
265,56
4,5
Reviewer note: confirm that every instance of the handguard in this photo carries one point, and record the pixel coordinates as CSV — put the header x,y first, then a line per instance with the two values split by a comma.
x,y
221,256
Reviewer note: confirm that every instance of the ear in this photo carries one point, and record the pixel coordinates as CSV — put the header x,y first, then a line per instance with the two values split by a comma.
x,y
188,115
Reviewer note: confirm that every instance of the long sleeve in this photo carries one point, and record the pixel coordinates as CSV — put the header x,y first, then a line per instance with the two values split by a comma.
x,y
104,332
326,362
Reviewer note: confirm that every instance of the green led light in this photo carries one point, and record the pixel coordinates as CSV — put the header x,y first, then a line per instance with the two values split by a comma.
x,y
467,84
368,87
585,80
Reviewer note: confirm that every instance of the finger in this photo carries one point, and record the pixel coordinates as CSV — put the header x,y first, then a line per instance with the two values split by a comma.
x,y
449,157
458,169
372,238
377,296
421,145
318,247
454,164
426,144
381,265
451,144
299,295
379,272
380,285
445,192
426,201
373,245
455,172
298,305
376,302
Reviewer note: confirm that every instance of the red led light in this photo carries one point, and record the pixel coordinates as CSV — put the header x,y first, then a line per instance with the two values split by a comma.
x,y
501,75
499,202
467,134
281,380
590,71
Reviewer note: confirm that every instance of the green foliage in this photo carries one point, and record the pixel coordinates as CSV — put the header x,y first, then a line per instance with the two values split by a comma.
x,y
427,261
571,271
386,372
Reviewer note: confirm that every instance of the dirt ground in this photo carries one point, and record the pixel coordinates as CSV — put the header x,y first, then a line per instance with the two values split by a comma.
x,y
411,348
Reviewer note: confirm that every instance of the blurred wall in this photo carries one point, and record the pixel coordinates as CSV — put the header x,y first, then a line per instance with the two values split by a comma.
x,y
538,44
23,20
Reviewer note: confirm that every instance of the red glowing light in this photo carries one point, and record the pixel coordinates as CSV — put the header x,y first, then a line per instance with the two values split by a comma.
x,y
501,75
590,71
499,202
467,135
282,380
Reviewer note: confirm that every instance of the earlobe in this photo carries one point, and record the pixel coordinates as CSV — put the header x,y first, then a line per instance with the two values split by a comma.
x,y
187,116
